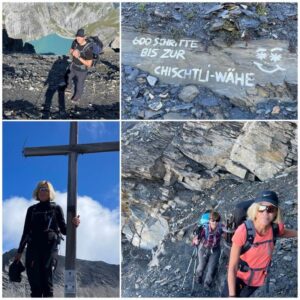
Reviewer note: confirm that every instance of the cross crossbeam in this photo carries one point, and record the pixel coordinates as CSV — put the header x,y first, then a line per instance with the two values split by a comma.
x,y
67,149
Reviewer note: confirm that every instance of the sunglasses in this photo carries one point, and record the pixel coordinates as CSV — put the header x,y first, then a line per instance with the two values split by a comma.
x,y
43,189
269,209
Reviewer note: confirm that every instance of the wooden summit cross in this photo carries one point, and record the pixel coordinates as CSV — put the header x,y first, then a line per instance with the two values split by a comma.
x,y
72,150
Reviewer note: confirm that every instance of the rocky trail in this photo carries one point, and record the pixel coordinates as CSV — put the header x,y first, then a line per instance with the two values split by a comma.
x,y
160,272
171,171
33,88
166,85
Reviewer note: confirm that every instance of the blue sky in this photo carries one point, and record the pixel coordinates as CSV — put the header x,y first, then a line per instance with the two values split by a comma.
x,y
98,174
98,180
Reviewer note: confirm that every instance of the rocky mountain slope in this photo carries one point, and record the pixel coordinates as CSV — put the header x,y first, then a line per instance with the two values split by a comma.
x,y
33,88
94,279
33,85
172,172
226,38
31,21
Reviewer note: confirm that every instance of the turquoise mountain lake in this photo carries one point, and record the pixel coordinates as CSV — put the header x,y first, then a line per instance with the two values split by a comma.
x,y
52,43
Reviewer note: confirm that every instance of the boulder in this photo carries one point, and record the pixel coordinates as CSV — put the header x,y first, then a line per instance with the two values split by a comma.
x,y
188,93
247,72
235,169
263,147
146,228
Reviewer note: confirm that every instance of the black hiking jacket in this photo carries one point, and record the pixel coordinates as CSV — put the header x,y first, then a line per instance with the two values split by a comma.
x,y
41,218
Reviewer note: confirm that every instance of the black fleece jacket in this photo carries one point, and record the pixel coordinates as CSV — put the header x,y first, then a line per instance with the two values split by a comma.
x,y
39,219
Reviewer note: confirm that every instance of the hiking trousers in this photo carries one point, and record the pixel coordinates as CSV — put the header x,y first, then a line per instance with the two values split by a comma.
x,y
241,289
39,263
79,78
209,257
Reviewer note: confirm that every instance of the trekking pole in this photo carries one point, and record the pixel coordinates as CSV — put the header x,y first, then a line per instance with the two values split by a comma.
x,y
267,288
188,268
194,274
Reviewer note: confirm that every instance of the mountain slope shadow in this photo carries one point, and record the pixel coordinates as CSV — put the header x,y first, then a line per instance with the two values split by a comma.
x,y
21,107
56,81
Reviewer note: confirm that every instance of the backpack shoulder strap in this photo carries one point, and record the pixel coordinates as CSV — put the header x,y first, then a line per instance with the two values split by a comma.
x,y
76,44
275,229
88,45
198,230
206,230
53,206
220,228
250,231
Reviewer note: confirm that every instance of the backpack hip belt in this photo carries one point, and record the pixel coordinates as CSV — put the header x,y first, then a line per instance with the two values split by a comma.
x,y
244,267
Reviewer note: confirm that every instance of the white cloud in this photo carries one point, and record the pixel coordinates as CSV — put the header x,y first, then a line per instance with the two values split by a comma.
x,y
95,129
97,236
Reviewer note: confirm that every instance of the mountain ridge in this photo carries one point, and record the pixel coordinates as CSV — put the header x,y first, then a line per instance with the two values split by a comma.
x,y
101,19
94,279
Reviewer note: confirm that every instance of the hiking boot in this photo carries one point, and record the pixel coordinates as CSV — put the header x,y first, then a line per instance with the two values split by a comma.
x,y
75,99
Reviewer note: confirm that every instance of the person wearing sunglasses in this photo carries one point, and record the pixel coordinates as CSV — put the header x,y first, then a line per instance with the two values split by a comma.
x,y
208,241
44,224
249,262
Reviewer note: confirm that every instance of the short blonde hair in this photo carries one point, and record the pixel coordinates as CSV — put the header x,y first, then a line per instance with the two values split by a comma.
x,y
253,209
50,187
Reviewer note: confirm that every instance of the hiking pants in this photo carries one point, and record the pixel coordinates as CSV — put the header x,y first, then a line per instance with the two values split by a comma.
x,y
209,257
79,77
241,289
39,262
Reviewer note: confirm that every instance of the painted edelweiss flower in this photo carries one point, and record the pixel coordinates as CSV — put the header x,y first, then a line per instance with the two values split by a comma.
x,y
261,54
275,57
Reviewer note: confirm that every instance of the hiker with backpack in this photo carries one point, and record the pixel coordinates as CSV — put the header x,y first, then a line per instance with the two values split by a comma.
x,y
82,53
43,227
207,239
252,245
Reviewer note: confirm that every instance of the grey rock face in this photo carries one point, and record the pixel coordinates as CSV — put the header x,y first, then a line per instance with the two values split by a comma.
x,y
143,164
146,228
160,272
242,72
31,21
234,146
162,159
94,279
235,169
251,48
264,148
15,45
